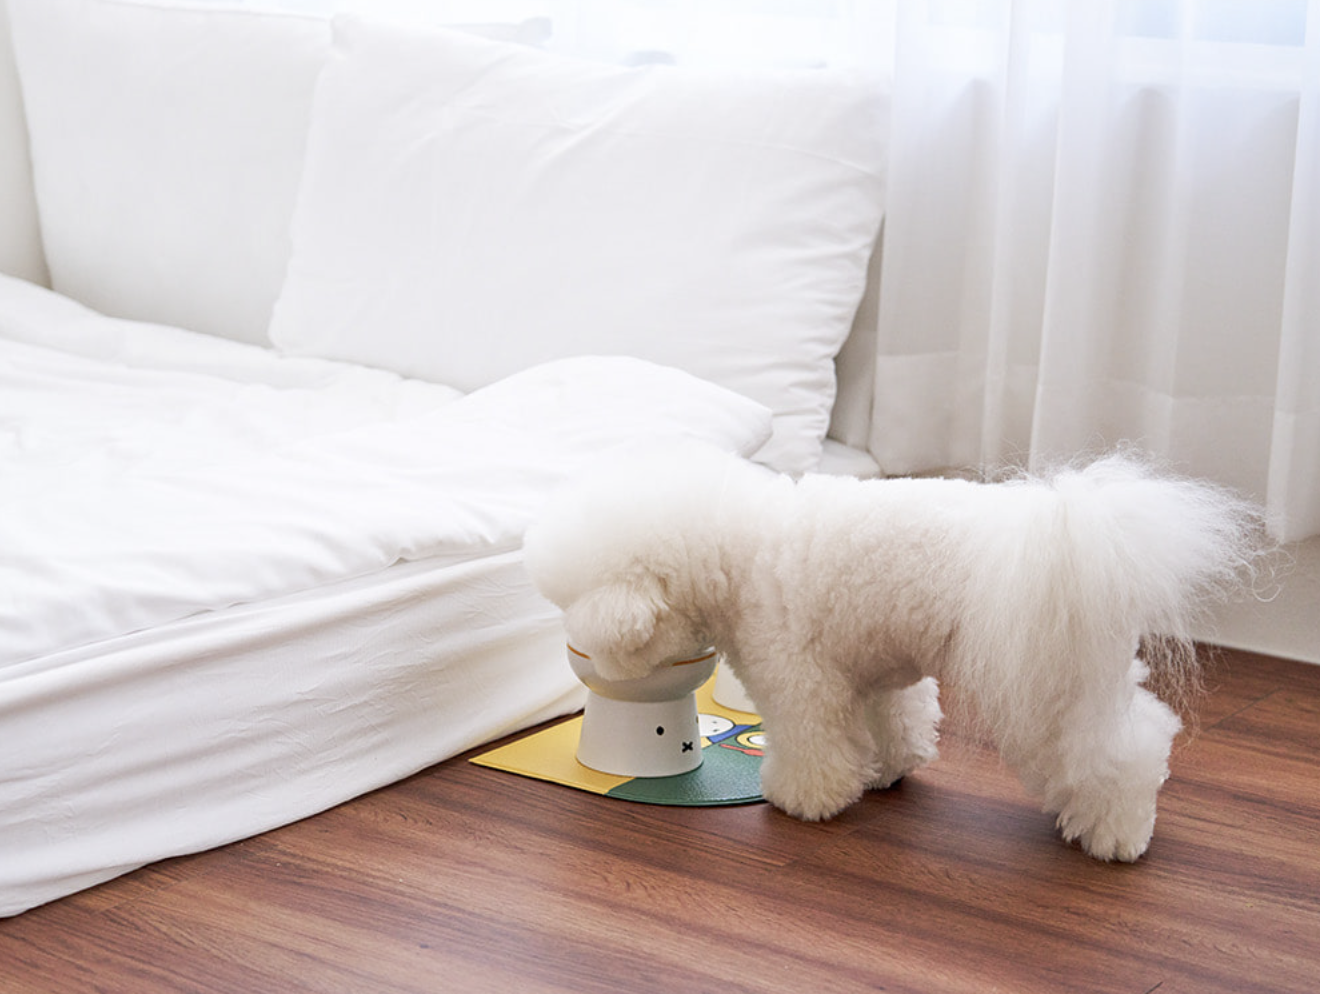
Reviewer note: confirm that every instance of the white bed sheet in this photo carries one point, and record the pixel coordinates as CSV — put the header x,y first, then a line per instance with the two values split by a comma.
x,y
219,727
236,588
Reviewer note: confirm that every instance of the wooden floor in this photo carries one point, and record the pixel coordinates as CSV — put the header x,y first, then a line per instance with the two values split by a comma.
x,y
469,879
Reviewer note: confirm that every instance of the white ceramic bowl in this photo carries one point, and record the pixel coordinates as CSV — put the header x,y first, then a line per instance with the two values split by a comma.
x,y
672,679
647,727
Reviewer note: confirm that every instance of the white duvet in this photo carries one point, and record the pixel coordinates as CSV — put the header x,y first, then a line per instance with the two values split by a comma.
x,y
149,474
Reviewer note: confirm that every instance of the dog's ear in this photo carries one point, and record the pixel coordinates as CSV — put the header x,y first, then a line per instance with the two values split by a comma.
x,y
613,623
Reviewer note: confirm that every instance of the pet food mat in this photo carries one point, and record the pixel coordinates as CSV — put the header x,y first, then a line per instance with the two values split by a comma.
x,y
732,744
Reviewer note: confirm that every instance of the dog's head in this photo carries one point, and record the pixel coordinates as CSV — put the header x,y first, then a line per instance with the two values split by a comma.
x,y
624,550
628,628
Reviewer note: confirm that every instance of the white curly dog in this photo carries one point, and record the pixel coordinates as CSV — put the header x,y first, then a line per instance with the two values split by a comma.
x,y
839,603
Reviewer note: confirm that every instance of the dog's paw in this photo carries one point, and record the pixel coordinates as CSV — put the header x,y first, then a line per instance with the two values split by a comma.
x,y
888,775
815,797
807,805
1109,835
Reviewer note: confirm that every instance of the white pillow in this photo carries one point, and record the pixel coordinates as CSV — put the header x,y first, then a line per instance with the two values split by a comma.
x,y
167,144
471,208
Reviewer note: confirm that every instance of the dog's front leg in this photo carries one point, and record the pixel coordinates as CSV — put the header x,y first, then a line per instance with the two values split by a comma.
x,y
818,754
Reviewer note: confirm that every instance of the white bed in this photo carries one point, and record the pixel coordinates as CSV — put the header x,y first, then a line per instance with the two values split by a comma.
x,y
260,530
236,589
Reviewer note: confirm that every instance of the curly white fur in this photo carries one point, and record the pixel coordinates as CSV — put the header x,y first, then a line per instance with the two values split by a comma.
x,y
839,604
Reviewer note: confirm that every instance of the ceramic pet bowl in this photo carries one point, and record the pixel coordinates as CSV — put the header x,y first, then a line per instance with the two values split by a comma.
x,y
647,727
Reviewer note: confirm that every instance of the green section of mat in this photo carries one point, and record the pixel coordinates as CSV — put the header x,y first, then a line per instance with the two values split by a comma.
x,y
730,770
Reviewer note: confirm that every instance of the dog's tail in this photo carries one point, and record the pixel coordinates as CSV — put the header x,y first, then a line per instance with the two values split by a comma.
x,y
1089,568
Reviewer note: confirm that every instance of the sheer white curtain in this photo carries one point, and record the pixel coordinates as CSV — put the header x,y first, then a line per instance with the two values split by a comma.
x,y
1104,227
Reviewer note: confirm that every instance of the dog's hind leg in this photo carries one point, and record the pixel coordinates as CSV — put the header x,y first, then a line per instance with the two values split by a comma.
x,y
904,727
1103,772
1110,806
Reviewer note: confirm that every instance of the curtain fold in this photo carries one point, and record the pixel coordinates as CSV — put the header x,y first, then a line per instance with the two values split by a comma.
x,y
1294,467
1104,229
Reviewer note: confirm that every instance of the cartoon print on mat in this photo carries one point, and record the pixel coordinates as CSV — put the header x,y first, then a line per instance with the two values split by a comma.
x,y
719,730
749,743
